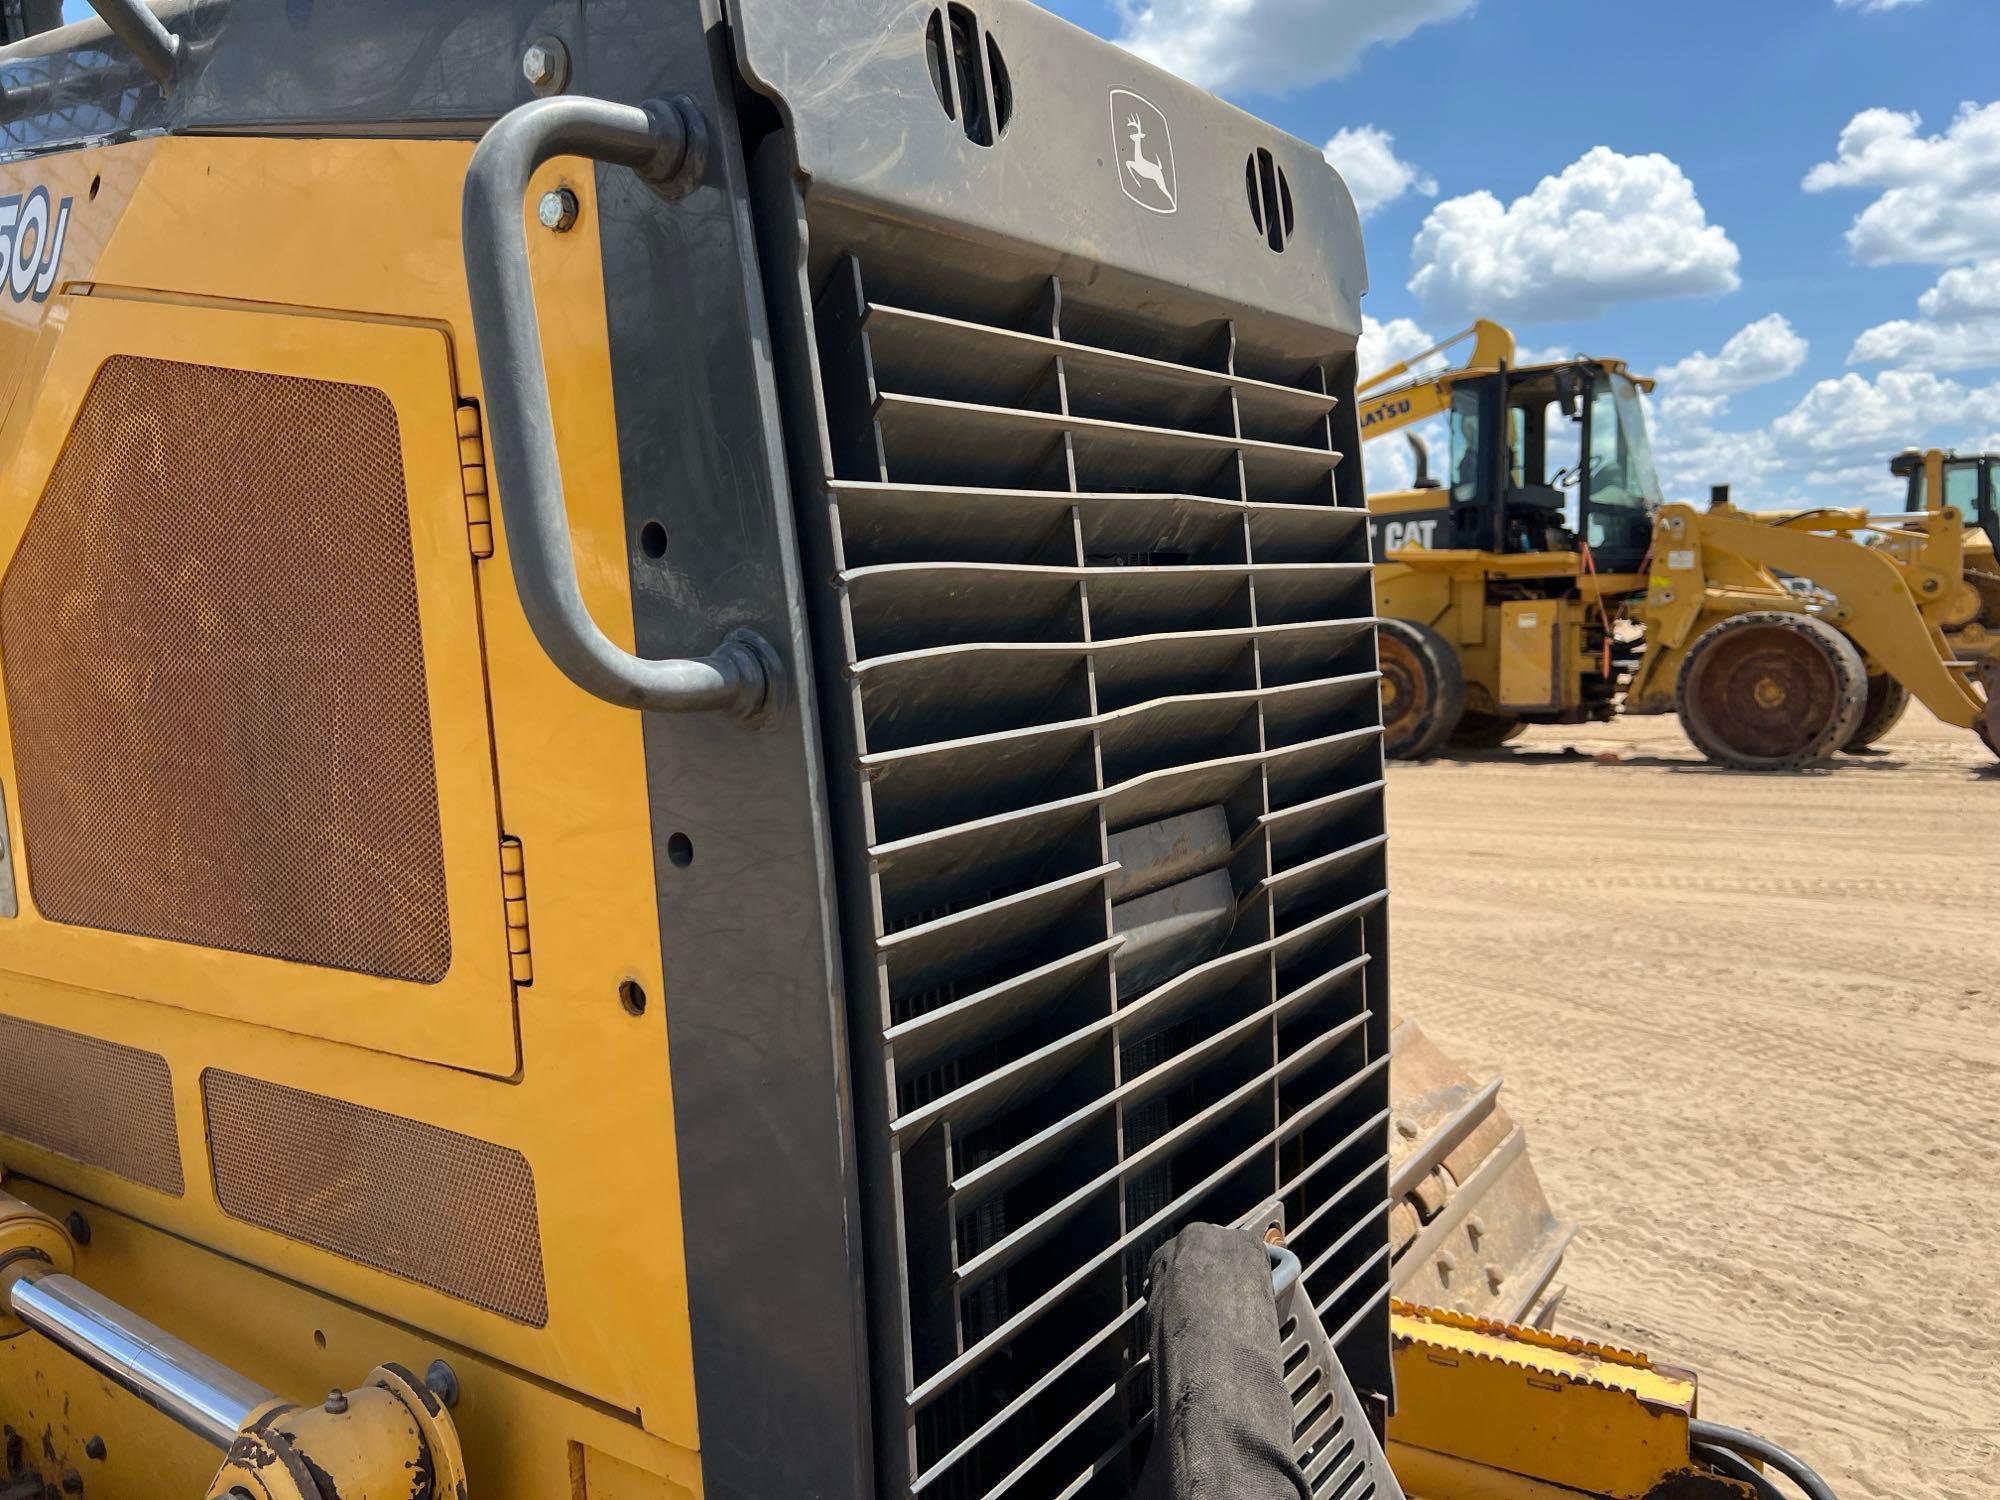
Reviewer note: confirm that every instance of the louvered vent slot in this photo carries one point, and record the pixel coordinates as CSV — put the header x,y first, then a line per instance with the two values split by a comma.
x,y
1117,771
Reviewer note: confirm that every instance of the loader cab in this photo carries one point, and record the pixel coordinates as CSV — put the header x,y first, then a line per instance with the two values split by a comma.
x,y
21,19
1964,483
1550,459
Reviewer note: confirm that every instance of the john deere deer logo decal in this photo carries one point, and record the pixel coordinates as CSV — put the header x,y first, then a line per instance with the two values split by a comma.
x,y
1145,152
31,241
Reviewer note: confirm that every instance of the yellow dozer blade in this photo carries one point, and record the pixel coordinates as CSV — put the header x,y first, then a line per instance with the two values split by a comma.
x,y
1470,1229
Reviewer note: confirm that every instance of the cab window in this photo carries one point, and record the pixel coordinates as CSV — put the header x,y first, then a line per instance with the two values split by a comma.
x,y
1961,490
1623,489
1465,455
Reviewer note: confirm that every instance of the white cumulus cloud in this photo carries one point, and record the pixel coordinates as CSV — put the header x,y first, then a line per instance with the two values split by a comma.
x,y
1385,344
1367,162
1853,420
1941,346
1607,229
1389,460
1757,354
1542,354
1964,293
1938,196
1831,448
1959,328
1693,455
1269,46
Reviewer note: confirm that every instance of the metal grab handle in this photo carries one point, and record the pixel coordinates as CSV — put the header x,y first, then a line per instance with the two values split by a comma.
x,y
134,24
665,143
1285,1270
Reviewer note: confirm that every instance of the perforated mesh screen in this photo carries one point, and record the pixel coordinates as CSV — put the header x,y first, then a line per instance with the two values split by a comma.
x,y
448,1211
90,1100
215,677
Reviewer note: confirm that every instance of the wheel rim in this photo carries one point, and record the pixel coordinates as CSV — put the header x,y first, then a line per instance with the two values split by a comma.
x,y
1403,691
1768,693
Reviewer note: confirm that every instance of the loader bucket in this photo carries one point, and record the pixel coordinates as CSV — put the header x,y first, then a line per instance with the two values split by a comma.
x,y
1989,680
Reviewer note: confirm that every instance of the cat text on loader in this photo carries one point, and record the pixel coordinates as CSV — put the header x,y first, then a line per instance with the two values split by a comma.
x,y
691,762
1544,582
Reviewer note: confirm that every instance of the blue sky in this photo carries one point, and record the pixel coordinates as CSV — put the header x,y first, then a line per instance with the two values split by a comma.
x,y
1631,179
1700,227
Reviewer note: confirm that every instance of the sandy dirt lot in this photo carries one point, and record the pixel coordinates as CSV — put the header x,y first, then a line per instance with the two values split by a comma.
x,y
1752,1024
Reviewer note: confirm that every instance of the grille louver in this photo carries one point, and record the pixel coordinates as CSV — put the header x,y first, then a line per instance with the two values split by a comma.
x,y
1113,800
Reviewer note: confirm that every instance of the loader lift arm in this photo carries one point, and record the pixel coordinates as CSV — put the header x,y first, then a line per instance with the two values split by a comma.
x,y
1430,395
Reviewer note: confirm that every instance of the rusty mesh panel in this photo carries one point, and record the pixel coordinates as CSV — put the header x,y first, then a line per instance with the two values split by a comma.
x,y
447,1211
90,1100
215,677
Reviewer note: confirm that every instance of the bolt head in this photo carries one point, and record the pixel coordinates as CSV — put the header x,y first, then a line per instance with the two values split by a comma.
x,y
442,1382
336,1402
545,64
558,210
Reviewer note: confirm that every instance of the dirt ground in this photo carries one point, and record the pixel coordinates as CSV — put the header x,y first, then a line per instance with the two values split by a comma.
x,y
1752,1024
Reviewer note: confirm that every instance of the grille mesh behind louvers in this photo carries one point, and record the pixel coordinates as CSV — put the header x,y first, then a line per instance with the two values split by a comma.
x,y
1096,609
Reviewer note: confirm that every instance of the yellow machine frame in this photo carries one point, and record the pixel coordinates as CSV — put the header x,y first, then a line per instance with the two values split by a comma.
x,y
1708,565
1971,616
278,293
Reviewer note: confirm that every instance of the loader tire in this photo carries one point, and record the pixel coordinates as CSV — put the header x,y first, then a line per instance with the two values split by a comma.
x,y
1478,731
1888,700
1423,690
1771,690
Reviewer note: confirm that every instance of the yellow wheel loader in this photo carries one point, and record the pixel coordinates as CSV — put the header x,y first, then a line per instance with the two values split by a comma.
x,y
1970,618
1542,581
691,789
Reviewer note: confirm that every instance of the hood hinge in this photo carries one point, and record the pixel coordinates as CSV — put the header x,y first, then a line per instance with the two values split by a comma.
x,y
514,896
472,474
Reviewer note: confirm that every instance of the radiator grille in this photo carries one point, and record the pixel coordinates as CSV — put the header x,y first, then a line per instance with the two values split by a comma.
x,y
215,676
1115,838
447,1211
90,1100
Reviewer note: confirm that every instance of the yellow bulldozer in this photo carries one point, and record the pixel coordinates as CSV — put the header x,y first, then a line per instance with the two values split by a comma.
x,y
1543,581
691,789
